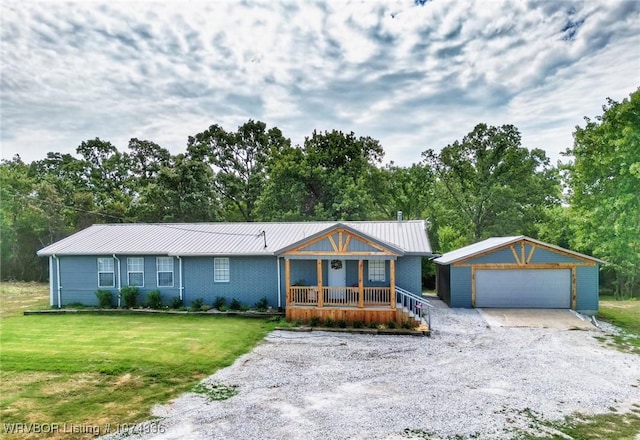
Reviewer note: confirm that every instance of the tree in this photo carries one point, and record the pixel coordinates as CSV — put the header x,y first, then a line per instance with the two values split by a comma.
x,y
183,191
328,178
604,182
240,161
31,217
491,184
106,171
406,189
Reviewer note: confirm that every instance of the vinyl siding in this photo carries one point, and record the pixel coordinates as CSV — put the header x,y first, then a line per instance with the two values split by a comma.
x,y
499,256
546,256
587,282
250,279
409,274
460,287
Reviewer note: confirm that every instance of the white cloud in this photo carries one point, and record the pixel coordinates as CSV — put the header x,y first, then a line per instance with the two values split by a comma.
x,y
413,77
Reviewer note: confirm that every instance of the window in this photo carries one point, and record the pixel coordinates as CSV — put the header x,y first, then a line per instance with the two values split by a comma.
x,y
106,276
221,270
165,271
376,270
135,271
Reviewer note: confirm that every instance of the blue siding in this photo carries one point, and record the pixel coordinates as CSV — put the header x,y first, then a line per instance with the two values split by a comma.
x,y
321,246
546,256
503,255
305,271
587,289
461,286
79,280
251,278
356,245
409,274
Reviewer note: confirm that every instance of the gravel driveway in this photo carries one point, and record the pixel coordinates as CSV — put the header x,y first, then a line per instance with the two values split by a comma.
x,y
468,379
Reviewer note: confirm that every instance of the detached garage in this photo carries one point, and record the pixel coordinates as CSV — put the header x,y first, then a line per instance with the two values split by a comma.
x,y
518,272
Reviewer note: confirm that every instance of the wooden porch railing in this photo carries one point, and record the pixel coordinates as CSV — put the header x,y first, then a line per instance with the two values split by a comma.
x,y
334,296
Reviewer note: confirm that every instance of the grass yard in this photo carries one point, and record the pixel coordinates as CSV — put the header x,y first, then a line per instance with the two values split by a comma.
x,y
94,370
626,315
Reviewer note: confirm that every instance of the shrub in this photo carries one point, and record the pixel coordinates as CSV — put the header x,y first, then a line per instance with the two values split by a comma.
x,y
223,308
358,324
262,304
392,324
244,308
104,299
197,304
235,305
130,296
154,299
329,323
373,324
205,308
220,302
342,323
407,325
176,303
314,321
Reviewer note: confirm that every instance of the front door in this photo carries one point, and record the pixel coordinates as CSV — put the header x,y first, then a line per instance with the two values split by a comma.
x,y
337,278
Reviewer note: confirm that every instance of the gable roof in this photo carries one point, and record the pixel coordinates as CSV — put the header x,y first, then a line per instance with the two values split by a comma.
x,y
339,226
201,239
497,242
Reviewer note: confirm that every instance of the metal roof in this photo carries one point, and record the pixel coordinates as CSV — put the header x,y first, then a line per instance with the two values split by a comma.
x,y
198,239
498,242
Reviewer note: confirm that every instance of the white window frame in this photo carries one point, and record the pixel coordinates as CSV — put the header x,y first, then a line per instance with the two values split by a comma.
x,y
377,270
130,271
101,262
158,271
221,274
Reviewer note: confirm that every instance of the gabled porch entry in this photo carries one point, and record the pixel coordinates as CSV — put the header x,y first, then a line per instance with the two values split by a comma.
x,y
343,275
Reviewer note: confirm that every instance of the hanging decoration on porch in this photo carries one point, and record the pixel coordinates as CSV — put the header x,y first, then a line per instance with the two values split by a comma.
x,y
336,264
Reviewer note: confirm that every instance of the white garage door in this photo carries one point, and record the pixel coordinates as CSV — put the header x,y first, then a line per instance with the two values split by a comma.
x,y
533,288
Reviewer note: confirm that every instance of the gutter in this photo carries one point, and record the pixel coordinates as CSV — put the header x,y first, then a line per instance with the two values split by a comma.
x,y
58,278
119,279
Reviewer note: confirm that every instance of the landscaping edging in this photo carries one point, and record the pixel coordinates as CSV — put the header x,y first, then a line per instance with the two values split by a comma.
x,y
362,331
249,314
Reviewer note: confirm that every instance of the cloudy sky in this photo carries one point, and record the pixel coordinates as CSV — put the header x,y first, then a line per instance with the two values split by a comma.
x,y
412,76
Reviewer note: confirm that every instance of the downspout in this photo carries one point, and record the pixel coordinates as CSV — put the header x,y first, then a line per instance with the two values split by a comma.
x,y
279,285
51,279
119,279
180,273
58,278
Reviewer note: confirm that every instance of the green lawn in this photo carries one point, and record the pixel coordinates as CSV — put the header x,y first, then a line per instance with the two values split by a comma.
x,y
626,315
99,369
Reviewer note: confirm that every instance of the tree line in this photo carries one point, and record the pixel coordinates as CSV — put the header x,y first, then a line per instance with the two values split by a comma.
x,y
486,184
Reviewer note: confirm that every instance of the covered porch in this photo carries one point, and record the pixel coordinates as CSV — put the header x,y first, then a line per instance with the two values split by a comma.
x,y
341,275
359,295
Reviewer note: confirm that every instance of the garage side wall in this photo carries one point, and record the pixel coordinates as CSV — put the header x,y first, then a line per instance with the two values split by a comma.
x,y
460,287
443,282
587,281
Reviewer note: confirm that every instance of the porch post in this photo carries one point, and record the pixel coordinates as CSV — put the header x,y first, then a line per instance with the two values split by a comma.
x,y
360,283
320,292
392,282
287,280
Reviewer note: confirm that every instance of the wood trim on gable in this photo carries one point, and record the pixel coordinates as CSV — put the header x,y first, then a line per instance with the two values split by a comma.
x,y
519,257
341,247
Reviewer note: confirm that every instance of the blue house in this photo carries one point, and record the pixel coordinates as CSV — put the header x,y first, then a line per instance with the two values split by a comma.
x,y
518,272
339,270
